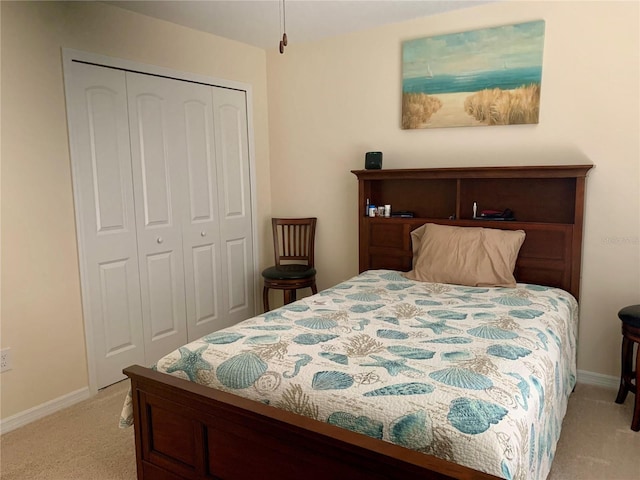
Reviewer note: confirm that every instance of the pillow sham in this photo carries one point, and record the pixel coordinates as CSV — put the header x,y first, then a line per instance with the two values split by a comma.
x,y
471,256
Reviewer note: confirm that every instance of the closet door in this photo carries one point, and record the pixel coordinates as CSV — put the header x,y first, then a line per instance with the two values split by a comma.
x,y
200,219
234,197
101,165
159,186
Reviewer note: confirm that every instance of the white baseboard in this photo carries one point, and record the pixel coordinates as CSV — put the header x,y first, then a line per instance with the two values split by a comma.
x,y
598,379
40,411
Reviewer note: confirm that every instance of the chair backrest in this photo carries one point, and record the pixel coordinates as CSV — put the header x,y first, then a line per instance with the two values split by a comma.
x,y
294,240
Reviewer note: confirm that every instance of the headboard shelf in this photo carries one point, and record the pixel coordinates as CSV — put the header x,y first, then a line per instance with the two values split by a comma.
x,y
547,201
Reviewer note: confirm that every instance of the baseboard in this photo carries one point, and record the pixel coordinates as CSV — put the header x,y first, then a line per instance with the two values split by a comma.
x,y
598,379
40,411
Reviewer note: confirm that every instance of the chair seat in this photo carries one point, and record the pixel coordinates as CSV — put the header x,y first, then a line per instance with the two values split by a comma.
x,y
630,315
289,272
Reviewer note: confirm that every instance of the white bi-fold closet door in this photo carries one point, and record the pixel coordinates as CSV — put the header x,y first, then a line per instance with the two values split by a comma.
x,y
163,206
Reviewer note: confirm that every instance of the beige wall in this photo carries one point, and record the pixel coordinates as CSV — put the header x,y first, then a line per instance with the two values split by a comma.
x,y
334,100
329,102
42,319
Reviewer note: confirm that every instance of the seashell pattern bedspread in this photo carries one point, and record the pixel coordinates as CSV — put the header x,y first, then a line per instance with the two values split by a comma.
x,y
477,376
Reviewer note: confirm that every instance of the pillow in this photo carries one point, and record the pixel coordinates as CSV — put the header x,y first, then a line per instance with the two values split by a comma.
x,y
416,241
472,256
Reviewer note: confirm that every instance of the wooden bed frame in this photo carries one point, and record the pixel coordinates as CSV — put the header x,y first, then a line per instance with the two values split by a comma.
x,y
184,430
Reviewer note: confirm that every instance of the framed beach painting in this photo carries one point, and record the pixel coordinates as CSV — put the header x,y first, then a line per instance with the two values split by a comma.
x,y
490,76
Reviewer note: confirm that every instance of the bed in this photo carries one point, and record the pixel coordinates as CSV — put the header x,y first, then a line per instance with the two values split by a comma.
x,y
381,376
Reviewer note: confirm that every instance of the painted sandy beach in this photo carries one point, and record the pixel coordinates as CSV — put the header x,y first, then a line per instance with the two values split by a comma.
x,y
452,112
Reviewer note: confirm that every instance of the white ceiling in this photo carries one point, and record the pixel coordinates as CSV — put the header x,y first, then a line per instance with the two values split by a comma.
x,y
258,22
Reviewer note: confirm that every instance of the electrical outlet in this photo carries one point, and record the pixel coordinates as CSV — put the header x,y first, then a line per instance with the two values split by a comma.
x,y
5,360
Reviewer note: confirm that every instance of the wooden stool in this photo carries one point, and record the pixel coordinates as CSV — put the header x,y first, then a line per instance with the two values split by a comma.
x,y
630,379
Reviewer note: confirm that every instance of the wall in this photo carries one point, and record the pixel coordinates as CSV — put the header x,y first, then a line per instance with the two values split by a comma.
x,y
42,319
333,100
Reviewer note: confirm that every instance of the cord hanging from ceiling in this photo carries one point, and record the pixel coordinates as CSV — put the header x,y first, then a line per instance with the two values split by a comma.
x,y
283,26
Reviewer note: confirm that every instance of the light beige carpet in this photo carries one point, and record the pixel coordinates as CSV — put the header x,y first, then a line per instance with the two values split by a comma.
x,y
84,442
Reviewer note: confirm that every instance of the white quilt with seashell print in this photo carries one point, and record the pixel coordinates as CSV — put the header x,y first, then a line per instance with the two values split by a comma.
x,y
478,376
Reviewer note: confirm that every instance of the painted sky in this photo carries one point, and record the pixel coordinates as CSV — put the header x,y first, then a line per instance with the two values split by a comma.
x,y
510,46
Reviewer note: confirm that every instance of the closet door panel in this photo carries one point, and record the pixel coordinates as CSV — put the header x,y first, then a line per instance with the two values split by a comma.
x,y
101,164
158,185
200,225
232,162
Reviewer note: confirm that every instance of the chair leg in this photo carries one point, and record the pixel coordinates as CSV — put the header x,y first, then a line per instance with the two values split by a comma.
x,y
314,289
635,423
626,367
289,296
265,299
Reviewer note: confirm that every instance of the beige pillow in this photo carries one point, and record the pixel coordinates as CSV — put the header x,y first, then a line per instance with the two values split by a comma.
x,y
416,241
473,256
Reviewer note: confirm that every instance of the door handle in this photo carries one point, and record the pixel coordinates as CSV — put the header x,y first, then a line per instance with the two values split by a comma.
x,y
159,240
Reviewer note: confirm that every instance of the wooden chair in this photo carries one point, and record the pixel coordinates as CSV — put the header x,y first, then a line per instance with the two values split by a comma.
x,y
293,242
630,377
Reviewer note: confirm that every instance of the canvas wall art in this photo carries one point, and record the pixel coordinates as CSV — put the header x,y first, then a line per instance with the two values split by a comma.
x,y
490,76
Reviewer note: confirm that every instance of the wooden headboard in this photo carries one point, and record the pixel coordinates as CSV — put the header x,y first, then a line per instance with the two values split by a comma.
x,y
547,201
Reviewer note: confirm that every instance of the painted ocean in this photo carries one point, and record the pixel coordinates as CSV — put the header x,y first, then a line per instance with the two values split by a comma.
x,y
473,82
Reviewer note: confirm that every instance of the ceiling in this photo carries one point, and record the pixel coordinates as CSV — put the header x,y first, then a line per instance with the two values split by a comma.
x,y
258,22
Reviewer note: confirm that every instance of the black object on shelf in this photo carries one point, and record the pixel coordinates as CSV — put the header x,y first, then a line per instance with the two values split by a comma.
x,y
500,215
402,214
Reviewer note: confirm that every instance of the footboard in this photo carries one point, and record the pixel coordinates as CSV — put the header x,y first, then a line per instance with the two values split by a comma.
x,y
188,431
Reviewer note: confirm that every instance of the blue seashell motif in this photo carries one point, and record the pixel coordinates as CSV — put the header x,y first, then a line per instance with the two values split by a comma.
x,y
540,389
511,301
392,334
506,473
462,377
262,340
450,340
474,416
273,315
491,332
412,431
427,303
364,425
555,338
317,323
360,308
456,356
484,316
410,352
342,286
413,388
447,315
241,371
296,307
331,380
526,313
364,297
335,357
397,286
537,288
394,277
219,338
510,352
472,289
393,320
313,338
